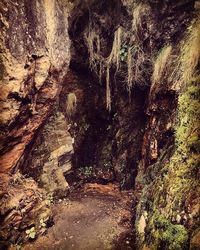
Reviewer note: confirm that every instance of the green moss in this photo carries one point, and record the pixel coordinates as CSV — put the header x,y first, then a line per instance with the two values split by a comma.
x,y
175,237
169,180
171,185
165,235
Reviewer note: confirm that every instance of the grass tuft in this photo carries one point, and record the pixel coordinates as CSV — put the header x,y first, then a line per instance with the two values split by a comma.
x,y
160,64
190,53
139,12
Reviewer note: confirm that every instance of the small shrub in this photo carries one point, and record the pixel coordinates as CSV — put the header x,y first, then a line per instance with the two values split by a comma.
x,y
124,53
87,171
165,235
175,237
42,223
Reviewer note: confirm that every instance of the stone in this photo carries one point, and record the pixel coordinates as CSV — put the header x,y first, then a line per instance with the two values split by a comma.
x,y
178,218
142,223
21,205
51,156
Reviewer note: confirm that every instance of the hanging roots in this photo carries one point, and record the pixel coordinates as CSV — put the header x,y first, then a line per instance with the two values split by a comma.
x,y
179,69
130,71
100,64
114,58
94,46
139,13
108,89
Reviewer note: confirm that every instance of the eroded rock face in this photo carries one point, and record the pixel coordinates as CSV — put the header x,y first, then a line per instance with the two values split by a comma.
x,y
167,158
50,159
34,59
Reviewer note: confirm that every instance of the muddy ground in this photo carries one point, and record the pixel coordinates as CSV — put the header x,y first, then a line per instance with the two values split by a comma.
x,y
93,217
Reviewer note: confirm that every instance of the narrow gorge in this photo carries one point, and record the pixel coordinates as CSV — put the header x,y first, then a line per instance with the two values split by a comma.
x,y
99,124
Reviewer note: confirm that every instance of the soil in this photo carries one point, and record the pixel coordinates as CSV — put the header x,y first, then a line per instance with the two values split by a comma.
x,y
93,217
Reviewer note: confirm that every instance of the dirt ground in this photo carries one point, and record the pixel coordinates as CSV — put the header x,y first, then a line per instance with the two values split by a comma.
x,y
95,217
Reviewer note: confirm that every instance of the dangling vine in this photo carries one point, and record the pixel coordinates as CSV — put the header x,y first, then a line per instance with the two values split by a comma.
x,y
101,65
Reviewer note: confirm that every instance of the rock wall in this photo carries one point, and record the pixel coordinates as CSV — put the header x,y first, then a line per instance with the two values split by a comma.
x,y
34,58
50,158
166,214
23,206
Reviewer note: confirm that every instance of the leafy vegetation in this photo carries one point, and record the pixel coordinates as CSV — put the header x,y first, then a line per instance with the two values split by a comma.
x,y
86,171
124,53
31,233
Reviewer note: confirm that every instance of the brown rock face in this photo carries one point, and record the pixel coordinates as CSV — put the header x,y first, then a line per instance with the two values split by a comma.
x,y
22,206
50,158
34,59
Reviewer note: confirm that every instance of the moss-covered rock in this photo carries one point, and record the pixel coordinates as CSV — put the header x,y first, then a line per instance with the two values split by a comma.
x,y
171,186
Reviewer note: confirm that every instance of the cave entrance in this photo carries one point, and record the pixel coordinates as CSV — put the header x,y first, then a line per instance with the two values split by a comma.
x,y
108,121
